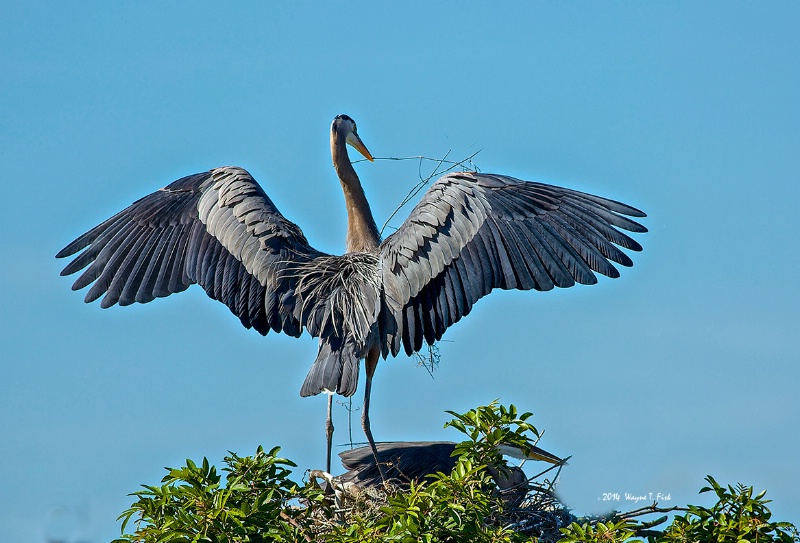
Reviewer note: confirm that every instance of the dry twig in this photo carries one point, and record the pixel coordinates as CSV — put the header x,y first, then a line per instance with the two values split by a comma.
x,y
438,170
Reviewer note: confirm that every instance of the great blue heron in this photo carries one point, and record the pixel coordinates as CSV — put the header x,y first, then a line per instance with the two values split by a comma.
x,y
406,461
470,233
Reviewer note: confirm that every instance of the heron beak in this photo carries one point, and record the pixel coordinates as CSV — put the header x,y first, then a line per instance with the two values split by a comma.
x,y
356,143
544,456
535,454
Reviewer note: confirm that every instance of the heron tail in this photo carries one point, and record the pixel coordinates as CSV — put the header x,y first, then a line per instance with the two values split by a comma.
x,y
334,370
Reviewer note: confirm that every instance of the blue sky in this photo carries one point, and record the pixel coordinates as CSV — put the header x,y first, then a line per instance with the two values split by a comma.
x,y
687,365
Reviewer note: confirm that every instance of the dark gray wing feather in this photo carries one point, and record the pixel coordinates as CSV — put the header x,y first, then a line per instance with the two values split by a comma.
x,y
217,229
406,461
472,233
403,462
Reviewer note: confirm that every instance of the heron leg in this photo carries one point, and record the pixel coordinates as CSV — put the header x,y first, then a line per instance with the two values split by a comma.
x,y
366,427
329,433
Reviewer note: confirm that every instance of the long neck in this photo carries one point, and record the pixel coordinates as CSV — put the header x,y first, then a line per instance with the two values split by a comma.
x,y
362,232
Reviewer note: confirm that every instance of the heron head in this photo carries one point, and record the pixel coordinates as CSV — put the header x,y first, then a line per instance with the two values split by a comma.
x,y
344,127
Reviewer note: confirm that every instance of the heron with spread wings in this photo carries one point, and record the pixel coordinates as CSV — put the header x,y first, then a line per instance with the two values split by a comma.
x,y
470,233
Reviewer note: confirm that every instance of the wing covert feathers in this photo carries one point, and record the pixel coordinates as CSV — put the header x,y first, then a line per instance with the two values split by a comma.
x,y
472,233
218,229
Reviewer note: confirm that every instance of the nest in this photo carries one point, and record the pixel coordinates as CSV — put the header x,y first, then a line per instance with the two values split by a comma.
x,y
536,512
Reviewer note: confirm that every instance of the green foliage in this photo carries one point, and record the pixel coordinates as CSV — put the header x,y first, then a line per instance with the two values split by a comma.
x,y
257,501
455,507
192,505
491,425
605,532
737,516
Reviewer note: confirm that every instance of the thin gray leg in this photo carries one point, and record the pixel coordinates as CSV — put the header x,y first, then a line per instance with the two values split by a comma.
x,y
367,431
329,432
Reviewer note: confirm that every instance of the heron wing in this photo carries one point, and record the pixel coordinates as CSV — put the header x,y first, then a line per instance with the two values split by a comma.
x,y
218,229
472,233
403,461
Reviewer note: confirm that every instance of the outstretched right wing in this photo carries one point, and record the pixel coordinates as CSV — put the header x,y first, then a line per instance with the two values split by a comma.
x,y
218,229
474,232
